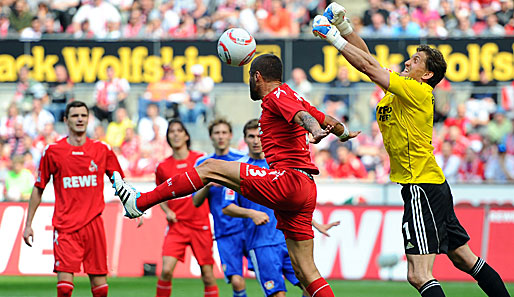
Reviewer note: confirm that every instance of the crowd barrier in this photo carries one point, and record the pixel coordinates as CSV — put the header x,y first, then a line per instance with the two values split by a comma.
x,y
367,245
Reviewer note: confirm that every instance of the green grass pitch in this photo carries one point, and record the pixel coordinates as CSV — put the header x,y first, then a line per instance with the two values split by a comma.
x,y
28,286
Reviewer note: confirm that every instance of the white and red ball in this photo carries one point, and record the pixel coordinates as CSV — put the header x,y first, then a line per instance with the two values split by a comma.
x,y
236,47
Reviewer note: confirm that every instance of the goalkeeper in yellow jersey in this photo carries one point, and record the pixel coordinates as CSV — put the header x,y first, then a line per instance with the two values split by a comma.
x,y
405,117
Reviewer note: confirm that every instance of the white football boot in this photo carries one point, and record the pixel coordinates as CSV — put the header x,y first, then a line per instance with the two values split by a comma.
x,y
127,194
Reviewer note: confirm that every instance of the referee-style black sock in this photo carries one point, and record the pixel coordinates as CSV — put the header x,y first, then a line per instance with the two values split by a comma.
x,y
432,288
488,279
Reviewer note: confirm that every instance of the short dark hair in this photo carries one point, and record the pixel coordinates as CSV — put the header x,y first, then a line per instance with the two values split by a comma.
x,y
74,104
269,66
435,62
176,121
219,121
251,124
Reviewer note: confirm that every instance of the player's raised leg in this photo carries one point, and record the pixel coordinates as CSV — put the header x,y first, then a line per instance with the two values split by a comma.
x,y
301,254
488,279
222,172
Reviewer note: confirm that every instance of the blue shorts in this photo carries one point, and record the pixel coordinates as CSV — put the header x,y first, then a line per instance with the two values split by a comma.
x,y
232,249
270,264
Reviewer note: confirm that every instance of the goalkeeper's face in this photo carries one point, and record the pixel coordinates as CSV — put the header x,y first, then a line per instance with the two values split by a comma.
x,y
416,67
77,119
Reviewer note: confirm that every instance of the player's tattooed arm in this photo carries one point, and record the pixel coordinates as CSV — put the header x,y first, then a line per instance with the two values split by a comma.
x,y
309,123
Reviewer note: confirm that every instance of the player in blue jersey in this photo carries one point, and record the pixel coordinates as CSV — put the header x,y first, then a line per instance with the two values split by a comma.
x,y
265,244
228,231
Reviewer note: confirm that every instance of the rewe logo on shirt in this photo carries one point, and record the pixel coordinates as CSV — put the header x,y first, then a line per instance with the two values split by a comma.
x,y
79,181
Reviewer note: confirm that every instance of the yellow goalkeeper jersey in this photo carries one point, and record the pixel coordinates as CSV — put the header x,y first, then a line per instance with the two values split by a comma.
x,y
405,116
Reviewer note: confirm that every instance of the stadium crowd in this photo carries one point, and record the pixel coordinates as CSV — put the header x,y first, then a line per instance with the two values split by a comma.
x,y
157,19
473,140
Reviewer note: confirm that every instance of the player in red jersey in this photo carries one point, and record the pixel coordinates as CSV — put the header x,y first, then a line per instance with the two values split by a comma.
x,y
287,187
77,165
187,225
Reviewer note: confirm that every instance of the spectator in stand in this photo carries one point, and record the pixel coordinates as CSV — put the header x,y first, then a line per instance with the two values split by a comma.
x,y
60,91
435,28
248,19
499,168
505,13
145,165
199,95
460,120
499,127
448,161
7,122
459,142
225,15
130,146
471,169
15,142
135,26
84,31
27,89
19,181
20,16
153,28
378,27
4,24
185,29
406,27
98,13
147,8
484,8
279,22
168,93
493,28
368,147
145,127
49,26
443,104
347,165
448,15
29,148
509,139
99,133
337,100
463,28
47,136
116,130
158,144
64,10
109,94
374,7
32,33
423,14
482,102
357,24
322,159
299,83
35,121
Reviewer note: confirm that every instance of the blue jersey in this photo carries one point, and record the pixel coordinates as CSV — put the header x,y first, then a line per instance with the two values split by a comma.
x,y
255,236
223,225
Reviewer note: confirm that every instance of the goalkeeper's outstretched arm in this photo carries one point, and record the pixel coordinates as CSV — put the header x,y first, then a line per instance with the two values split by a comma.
x,y
361,60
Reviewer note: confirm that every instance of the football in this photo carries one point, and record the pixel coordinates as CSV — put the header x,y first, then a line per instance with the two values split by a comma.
x,y
236,47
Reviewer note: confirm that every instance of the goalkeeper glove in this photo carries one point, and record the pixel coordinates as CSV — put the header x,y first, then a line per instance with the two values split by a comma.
x,y
321,27
336,14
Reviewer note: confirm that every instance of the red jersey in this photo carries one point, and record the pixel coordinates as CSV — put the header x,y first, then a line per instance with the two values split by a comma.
x,y
78,177
285,143
183,207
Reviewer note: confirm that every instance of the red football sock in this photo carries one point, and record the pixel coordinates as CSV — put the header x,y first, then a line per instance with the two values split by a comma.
x,y
64,289
211,291
100,291
320,288
178,186
163,288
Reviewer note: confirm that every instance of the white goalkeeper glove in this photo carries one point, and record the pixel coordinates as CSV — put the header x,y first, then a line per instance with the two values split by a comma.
x,y
336,14
321,27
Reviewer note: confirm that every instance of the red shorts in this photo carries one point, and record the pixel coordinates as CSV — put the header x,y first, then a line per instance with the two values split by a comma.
x,y
180,236
85,246
290,193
